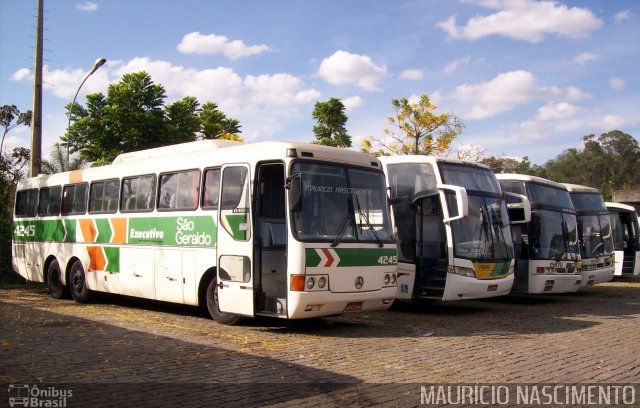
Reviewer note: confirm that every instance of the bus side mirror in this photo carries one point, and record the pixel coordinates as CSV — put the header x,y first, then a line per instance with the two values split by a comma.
x,y
294,185
462,201
519,212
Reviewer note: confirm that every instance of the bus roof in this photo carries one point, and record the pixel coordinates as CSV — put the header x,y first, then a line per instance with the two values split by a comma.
x,y
619,207
415,158
577,188
528,178
205,153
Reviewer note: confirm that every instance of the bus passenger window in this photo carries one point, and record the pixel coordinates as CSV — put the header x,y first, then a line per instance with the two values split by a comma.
x,y
179,191
103,196
211,189
74,199
26,203
138,193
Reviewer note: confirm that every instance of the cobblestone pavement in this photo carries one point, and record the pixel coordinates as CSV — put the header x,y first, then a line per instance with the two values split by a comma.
x,y
119,351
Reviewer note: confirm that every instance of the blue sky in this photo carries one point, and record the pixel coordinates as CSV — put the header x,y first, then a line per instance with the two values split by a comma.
x,y
528,78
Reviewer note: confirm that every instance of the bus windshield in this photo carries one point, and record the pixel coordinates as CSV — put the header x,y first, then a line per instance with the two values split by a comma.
x,y
340,204
595,233
473,178
485,234
553,235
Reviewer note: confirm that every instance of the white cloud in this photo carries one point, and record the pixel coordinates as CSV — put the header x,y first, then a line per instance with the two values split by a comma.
x,y
346,68
505,92
455,64
22,73
525,20
610,122
622,16
87,6
412,74
617,84
352,102
196,43
585,57
554,111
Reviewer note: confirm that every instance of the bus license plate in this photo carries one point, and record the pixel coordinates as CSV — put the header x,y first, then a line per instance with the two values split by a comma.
x,y
353,306
492,288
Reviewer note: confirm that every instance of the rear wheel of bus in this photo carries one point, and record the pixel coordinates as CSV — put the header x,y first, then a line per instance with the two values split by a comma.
x,y
57,289
214,310
78,283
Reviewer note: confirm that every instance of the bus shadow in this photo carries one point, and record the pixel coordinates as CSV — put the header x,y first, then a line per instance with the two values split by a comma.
x,y
132,365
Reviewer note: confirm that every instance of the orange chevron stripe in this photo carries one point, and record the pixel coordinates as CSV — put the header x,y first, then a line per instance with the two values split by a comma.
x,y
88,229
330,259
97,261
119,230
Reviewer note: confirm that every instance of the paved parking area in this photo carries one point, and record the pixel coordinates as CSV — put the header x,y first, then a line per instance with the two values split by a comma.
x,y
121,351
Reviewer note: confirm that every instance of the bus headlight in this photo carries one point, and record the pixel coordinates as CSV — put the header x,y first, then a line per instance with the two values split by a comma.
x,y
510,271
462,271
393,278
310,283
322,281
387,279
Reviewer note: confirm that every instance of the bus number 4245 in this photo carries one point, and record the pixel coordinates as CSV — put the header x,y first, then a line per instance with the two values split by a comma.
x,y
388,260
25,231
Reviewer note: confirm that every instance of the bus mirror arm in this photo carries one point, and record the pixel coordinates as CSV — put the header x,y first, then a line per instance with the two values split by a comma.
x,y
293,183
462,201
519,213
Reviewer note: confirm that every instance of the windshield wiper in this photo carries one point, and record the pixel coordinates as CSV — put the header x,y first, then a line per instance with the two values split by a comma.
x,y
366,219
341,229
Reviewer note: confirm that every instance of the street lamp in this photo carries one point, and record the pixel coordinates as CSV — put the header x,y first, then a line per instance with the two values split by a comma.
x,y
99,62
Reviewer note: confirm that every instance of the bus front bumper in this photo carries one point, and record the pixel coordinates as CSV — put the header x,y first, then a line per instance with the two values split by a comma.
x,y
554,283
590,278
460,287
302,305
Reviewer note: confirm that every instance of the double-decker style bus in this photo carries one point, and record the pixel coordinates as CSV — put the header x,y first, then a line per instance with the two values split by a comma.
x,y
546,247
452,228
289,230
594,233
626,239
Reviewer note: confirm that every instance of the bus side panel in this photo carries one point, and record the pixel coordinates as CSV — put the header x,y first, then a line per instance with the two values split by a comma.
x,y
406,278
136,276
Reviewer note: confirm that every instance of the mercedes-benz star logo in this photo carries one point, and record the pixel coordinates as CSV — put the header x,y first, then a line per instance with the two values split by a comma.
x,y
359,282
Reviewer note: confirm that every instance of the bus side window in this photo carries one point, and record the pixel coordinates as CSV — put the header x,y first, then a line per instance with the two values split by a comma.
x,y
103,196
211,189
179,190
138,193
26,203
74,199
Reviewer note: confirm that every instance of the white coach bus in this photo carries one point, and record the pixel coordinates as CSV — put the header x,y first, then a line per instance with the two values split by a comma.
x,y
546,247
594,233
452,226
626,238
290,230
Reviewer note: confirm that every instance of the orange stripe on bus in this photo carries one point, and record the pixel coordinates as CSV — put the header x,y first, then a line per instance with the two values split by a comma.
x,y
76,176
119,230
97,261
88,229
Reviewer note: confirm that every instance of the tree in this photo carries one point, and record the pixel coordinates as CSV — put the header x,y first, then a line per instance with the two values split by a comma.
x,y
608,162
330,129
415,129
133,117
58,161
11,170
504,164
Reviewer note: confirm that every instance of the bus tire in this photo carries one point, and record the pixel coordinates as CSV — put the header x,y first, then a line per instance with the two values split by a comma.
x,y
78,283
54,281
212,306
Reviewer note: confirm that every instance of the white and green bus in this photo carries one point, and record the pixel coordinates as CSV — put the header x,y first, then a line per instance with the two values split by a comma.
x,y
594,232
452,227
289,230
547,253
626,239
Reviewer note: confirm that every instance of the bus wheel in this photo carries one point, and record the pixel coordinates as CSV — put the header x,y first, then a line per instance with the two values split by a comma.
x,y
212,306
78,283
54,282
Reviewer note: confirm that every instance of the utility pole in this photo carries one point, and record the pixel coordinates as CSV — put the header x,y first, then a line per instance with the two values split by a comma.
x,y
36,121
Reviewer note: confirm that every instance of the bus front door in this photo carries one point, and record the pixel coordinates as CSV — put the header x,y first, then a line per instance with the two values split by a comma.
x,y
235,242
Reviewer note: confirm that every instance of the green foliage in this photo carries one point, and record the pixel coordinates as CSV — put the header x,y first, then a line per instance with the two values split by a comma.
x,y
133,117
505,164
415,129
330,129
609,162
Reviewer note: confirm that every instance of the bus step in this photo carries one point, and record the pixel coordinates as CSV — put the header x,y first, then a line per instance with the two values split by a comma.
x,y
275,305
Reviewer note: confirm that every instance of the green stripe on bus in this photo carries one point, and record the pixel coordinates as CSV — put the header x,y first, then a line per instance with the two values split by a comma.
x,y
38,230
234,221
70,228
179,231
113,258
104,231
350,257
